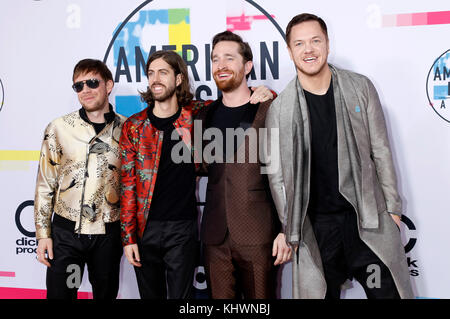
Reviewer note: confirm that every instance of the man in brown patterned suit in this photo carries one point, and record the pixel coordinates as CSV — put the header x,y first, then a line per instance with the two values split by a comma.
x,y
239,226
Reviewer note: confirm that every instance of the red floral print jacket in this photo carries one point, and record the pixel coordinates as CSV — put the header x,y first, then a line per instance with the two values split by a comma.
x,y
140,146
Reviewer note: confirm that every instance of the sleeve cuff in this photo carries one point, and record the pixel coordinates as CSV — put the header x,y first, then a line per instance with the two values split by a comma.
x,y
43,233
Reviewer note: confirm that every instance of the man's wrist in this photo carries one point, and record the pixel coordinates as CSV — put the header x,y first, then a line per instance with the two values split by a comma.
x,y
396,214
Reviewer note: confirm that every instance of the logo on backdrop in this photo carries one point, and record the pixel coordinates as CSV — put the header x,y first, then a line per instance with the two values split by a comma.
x,y
438,86
412,263
2,95
160,25
27,244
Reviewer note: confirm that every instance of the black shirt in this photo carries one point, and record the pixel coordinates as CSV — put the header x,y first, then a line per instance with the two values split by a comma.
x,y
228,117
109,117
324,183
98,127
174,193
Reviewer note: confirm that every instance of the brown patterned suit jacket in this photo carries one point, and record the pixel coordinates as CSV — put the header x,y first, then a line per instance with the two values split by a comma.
x,y
238,199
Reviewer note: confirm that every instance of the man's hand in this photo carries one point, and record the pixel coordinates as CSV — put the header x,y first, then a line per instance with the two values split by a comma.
x,y
260,94
397,219
45,245
132,254
281,250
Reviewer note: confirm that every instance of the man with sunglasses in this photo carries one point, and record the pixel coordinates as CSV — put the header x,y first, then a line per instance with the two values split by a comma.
x,y
78,183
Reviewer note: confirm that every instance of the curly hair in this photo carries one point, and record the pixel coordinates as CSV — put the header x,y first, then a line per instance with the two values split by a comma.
x,y
183,91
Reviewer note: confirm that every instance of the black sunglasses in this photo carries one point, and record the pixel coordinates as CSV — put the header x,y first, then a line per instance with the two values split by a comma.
x,y
91,83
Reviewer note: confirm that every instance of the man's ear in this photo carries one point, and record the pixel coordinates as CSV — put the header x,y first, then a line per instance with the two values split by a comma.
x,y
248,67
179,79
328,47
109,86
290,52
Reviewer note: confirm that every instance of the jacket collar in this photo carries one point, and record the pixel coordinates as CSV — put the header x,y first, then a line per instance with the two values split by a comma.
x,y
109,117
185,116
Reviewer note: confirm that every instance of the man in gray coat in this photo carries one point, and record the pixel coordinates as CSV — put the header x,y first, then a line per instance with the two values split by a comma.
x,y
335,190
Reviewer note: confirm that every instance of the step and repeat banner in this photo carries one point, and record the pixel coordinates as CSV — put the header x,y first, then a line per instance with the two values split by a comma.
x,y
402,46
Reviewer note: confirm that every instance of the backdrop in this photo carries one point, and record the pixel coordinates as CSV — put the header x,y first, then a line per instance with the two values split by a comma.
x,y
402,46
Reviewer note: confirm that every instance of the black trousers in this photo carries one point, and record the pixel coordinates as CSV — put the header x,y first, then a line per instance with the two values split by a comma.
x,y
345,256
101,253
169,253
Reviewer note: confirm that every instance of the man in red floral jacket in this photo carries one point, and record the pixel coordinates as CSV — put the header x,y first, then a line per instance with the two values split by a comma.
x,y
158,204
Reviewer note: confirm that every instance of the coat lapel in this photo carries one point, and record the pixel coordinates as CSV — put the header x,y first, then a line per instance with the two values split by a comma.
x,y
288,122
355,107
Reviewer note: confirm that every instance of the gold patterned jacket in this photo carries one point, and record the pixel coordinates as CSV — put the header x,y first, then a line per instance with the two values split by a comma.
x,y
79,171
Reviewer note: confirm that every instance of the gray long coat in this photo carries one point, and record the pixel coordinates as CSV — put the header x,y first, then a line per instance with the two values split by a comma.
x,y
367,177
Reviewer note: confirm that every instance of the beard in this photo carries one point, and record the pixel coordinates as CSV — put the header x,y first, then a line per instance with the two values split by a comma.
x,y
165,94
97,106
232,83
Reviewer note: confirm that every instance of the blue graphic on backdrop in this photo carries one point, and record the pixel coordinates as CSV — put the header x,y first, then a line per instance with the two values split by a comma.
x,y
130,36
438,86
442,72
128,50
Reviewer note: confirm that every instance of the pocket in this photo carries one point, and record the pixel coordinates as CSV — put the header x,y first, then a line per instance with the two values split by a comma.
x,y
398,227
391,220
210,201
58,187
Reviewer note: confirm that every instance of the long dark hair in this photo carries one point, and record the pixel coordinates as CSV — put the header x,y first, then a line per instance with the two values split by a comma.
x,y
183,91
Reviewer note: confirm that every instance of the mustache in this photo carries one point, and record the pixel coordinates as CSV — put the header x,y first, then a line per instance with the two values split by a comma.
x,y
222,70
157,84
